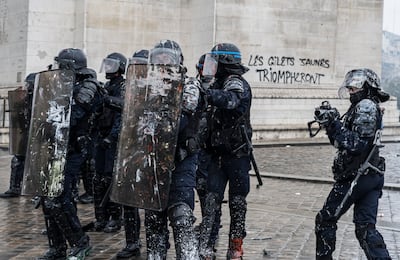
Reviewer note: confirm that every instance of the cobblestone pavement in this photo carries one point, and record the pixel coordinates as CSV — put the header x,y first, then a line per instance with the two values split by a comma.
x,y
280,218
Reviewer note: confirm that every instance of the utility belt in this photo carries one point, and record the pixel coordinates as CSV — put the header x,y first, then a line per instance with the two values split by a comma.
x,y
341,172
230,141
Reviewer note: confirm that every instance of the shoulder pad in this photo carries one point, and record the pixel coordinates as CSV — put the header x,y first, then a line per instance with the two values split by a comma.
x,y
92,81
87,91
234,83
191,95
366,118
366,106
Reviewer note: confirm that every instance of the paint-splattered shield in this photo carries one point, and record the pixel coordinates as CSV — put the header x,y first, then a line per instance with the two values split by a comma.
x,y
148,137
19,121
48,134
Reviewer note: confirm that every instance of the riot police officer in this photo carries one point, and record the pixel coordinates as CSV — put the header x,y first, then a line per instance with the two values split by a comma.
x,y
228,123
108,213
62,222
131,214
357,161
204,155
18,160
181,196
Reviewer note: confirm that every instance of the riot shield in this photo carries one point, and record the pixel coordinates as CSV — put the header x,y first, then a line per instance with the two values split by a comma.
x,y
48,133
19,121
148,138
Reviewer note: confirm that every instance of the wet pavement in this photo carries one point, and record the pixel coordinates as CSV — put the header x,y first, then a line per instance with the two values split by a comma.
x,y
280,218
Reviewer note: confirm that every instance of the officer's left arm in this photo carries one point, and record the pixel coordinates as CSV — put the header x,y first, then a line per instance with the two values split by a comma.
x,y
230,96
357,139
117,124
82,101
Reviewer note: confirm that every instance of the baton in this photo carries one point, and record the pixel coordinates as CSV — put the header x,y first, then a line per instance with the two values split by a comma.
x,y
252,159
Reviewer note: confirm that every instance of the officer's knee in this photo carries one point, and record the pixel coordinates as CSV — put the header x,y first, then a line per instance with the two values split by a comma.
x,y
213,199
324,222
371,241
181,214
238,202
201,187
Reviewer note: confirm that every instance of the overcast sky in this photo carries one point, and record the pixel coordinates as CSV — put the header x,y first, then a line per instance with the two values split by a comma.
x,y
391,16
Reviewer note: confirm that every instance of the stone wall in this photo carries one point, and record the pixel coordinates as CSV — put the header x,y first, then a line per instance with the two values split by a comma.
x,y
297,51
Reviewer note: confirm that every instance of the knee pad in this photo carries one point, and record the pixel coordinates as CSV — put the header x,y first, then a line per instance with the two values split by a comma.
x,y
181,215
371,241
324,220
238,203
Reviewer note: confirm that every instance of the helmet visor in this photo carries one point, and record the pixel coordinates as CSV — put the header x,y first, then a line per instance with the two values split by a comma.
x,y
164,56
62,64
353,79
343,93
109,65
210,65
138,60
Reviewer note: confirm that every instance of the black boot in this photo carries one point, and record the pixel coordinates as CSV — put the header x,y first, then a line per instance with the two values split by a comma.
x,y
53,254
112,226
67,220
114,210
129,251
85,198
57,243
80,250
132,233
17,172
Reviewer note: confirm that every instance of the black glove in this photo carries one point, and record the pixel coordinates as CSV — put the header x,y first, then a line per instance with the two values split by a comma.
x,y
333,127
114,103
327,117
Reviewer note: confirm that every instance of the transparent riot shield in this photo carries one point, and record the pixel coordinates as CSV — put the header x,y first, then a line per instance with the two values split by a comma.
x,y
48,134
148,137
19,121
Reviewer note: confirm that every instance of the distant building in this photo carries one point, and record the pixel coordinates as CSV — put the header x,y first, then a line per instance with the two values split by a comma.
x,y
391,64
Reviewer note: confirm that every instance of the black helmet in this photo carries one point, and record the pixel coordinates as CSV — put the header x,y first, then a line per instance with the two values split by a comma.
x,y
166,52
200,63
113,63
226,53
71,58
140,57
30,81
